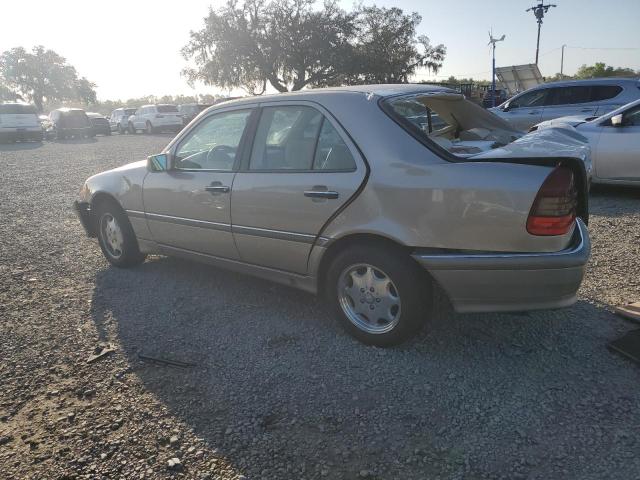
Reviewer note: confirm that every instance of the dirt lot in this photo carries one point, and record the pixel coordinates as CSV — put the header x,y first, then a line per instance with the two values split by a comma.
x,y
277,390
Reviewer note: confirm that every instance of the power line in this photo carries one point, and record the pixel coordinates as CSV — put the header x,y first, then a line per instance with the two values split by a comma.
x,y
603,48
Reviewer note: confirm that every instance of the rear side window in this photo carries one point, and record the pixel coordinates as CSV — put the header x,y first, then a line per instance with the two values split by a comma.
x,y
298,138
166,108
604,92
331,151
17,109
569,95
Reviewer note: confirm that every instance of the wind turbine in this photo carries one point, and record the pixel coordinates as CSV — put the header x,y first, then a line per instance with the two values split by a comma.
x,y
492,42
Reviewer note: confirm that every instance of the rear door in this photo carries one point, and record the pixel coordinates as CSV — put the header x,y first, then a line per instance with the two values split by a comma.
x,y
301,169
617,155
189,206
569,101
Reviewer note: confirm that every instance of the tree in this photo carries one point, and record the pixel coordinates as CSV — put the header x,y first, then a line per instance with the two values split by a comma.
x,y
289,45
600,69
42,75
388,49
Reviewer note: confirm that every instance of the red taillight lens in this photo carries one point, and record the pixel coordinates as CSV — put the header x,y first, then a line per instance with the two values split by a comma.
x,y
554,209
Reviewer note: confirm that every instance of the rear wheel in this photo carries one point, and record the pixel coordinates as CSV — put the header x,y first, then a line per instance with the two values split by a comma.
x,y
115,236
380,295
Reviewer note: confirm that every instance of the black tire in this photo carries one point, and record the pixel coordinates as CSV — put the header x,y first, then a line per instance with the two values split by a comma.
x,y
121,130
132,129
410,284
150,130
129,252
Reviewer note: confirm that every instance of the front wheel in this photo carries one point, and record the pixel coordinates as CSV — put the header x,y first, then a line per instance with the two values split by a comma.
x,y
116,237
380,295
132,129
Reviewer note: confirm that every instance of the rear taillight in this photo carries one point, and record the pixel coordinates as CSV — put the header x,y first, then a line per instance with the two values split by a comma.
x,y
554,209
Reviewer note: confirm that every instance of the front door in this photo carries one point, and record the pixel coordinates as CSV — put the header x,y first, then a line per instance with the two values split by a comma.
x,y
526,110
188,207
300,171
617,154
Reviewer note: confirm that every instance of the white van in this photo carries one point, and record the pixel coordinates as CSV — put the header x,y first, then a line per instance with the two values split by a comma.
x,y
19,121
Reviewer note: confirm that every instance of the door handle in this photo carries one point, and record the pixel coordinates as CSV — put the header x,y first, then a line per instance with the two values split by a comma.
x,y
217,189
534,113
321,194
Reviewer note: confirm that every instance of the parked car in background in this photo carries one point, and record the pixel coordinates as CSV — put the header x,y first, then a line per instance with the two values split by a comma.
x,y
155,118
100,123
614,140
189,111
69,122
560,99
19,121
337,191
487,99
119,119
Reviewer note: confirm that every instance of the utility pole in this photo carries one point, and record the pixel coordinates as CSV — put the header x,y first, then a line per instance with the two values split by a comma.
x,y
539,12
492,42
562,62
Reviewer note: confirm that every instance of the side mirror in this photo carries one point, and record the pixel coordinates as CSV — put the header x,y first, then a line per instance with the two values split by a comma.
x,y
158,163
616,120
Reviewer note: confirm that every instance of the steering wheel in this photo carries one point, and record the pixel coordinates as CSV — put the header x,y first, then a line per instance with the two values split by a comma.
x,y
221,157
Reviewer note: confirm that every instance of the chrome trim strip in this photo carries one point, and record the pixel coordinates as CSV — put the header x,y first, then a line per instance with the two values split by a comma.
x,y
575,255
190,222
225,227
135,214
277,234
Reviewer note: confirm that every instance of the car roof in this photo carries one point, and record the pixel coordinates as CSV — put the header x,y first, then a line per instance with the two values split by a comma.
x,y
69,109
589,81
381,90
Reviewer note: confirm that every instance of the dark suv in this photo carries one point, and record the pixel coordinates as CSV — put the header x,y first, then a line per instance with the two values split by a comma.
x,y
70,122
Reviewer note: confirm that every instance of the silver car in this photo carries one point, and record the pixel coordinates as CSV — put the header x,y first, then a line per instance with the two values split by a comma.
x,y
614,140
342,192
560,99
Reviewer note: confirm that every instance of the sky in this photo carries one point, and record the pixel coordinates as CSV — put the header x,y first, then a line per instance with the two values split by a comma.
x,y
132,48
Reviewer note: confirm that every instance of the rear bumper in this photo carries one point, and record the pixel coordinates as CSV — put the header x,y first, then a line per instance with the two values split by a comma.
x,y
27,133
83,210
491,282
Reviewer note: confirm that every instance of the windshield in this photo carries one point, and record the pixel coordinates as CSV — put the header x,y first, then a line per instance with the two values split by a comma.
x,y
129,111
18,109
167,108
451,122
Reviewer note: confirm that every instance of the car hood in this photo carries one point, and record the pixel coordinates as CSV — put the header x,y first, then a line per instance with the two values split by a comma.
x,y
570,120
560,141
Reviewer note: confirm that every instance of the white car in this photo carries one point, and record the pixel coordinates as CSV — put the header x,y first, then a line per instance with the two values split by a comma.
x,y
119,119
155,118
19,121
615,143
560,99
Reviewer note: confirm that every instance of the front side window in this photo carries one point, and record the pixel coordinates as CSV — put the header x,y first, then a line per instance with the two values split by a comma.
x,y
531,99
298,138
631,117
213,143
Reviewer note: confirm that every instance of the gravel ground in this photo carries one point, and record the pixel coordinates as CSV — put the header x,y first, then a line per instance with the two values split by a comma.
x,y
277,390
